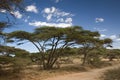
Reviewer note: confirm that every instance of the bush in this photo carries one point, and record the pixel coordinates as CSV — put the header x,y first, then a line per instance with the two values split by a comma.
x,y
93,58
113,74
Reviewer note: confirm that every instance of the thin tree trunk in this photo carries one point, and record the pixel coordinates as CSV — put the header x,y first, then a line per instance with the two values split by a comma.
x,y
84,58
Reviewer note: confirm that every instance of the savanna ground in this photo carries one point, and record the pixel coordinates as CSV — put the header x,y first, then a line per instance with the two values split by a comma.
x,y
67,71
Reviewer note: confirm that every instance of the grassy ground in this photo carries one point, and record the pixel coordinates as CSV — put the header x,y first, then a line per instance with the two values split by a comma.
x,y
33,72
113,74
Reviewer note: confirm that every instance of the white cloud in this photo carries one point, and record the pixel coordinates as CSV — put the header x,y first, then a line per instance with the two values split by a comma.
x,y
113,37
26,20
118,39
17,14
100,30
31,8
39,24
60,20
116,45
102,36
54,17
49,17
52,12
2,10
57,1
62,13
47,10
97,20
53,9
68,20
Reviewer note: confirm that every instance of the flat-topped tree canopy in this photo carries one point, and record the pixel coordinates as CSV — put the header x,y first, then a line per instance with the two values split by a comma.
x,y
10,5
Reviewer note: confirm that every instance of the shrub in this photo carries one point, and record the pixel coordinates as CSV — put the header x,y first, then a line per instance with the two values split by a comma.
x,y
113,74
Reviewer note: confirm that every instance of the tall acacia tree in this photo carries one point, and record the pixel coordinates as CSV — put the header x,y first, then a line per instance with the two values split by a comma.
x,y
47,40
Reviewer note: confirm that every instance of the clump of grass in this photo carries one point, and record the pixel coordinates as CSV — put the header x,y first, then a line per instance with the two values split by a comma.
x,y
113,74
9,75
74,68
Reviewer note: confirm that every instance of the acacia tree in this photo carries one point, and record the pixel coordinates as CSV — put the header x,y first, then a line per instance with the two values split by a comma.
x,y
88,41
47,40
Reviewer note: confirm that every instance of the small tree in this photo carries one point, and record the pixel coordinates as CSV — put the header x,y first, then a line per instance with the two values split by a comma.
x,y
112,54
88,41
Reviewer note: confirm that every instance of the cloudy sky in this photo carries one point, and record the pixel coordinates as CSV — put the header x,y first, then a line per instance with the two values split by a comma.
x,y
95,15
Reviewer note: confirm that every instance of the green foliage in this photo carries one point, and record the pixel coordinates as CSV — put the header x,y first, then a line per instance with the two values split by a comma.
x,y
20,64
6,60
15,51
112,54
94,57
107,40
70,51
21,35
10,5
48,38
15,63
3,25
21,53
52,42
35,57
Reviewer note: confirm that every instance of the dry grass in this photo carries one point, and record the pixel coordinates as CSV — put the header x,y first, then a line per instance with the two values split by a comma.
x,y
33,72
36,74
9,75
113,74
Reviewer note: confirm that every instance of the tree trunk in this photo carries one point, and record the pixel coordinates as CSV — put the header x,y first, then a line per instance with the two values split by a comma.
x,y
111,58
84,58
47,67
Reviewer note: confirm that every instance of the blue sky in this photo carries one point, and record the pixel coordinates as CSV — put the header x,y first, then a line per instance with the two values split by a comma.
x,y
95,15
